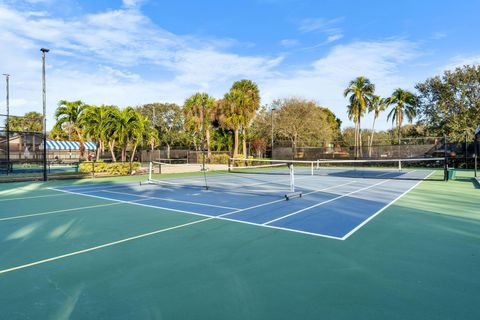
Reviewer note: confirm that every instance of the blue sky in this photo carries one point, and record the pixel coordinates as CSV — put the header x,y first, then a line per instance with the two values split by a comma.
x,y
133,52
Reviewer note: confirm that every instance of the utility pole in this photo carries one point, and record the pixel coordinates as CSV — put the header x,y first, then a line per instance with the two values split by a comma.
x,y
7,127
44,97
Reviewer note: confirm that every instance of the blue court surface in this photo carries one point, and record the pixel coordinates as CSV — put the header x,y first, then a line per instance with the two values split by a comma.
x,y
330,206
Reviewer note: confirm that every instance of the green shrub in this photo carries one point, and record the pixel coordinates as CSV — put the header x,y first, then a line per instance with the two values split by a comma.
x,y
114,168
221,158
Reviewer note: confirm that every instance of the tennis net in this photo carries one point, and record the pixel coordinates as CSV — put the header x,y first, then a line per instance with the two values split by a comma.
x,y
394,169
199,178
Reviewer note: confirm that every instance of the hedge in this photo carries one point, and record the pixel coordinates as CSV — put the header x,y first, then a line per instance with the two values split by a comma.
x,y
113,168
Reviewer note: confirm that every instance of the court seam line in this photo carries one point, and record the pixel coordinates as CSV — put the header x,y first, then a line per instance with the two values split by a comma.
x,y
172,200
351,232
324,202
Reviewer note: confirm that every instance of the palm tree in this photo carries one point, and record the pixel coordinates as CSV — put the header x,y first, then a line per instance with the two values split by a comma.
x,y
68,115
196,121
144,132
109,129
377,105
404,105
248,102
128,128
231,114
94,120
359,92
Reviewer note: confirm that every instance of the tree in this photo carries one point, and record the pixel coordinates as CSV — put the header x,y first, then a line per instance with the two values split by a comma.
x,y
94,120
196,122
450,103
142,131
359,92
377,105
68,117
29,122
168,121
261,127
129,127
110,129
248,100
304,122
404,105
230,115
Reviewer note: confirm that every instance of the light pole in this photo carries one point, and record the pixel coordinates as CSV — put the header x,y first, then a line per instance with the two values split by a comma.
x,y
7,126
273,110
44,96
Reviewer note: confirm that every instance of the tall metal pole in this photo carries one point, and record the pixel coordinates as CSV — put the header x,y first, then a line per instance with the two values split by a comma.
x,y
273,110
466,151
44,96
7,125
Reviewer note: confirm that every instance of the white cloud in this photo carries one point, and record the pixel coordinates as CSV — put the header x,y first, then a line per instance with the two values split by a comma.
x,y
439,35
334,37
289,42
94,58
132,3
325,79
120,57
317,24
460,61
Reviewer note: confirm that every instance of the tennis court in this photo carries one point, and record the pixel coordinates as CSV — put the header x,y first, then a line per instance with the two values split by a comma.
x,y
356,244
256,197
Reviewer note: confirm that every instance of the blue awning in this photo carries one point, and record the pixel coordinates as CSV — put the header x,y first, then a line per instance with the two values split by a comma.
x,y
69,145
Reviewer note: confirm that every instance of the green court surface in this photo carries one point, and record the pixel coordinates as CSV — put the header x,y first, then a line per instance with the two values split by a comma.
x,y
60,258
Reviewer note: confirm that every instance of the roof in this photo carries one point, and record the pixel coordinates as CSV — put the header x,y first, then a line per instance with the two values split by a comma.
x,y
69,145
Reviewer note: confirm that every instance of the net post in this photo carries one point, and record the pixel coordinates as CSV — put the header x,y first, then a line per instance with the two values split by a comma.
x,y
150,167
475,156
292,177
311,168
229,164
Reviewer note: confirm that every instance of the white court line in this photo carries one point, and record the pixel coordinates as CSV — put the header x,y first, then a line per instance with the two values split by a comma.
x,y
57,211
103,245
382,209
135,203
208,218
172,200
33,197
283,199
221,217
324,202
